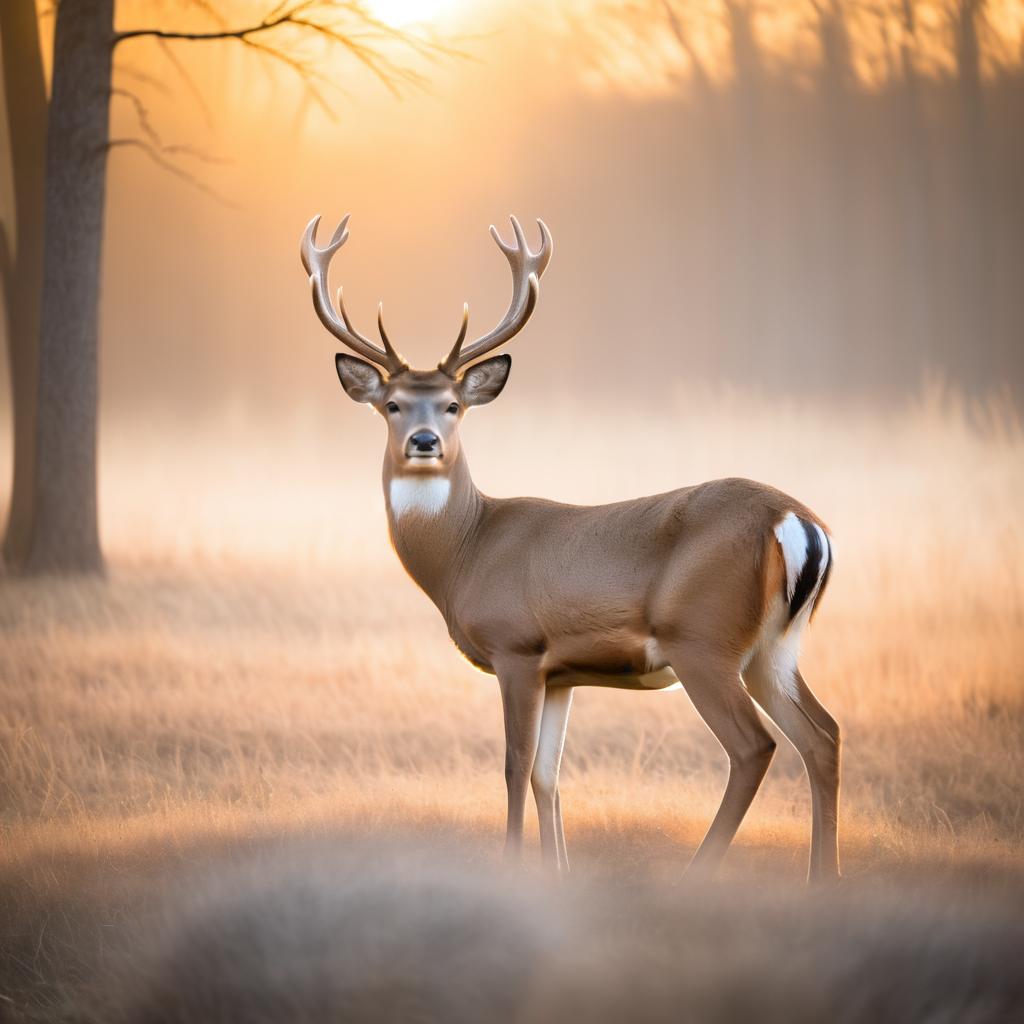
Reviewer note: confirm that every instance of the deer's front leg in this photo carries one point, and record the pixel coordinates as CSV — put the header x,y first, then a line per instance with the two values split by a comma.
x,y
546,765
522,697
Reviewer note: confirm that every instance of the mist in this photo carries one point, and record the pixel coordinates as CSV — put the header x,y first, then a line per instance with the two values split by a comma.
x,y
833,210
788,246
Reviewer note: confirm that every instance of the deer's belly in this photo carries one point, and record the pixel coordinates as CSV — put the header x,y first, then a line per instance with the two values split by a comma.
x,y
662,679
622,659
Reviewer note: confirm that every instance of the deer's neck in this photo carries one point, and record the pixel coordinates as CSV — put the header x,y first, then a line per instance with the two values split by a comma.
x,y
431,519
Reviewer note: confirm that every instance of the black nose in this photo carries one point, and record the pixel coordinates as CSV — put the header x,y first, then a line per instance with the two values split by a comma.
x,y
424,441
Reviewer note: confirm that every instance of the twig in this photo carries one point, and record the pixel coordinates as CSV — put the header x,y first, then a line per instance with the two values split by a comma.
x,y
189,81
130,71
146,124
172,168
300,15
141,113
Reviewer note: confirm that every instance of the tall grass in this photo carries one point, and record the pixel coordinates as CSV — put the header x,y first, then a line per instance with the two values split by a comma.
x,y
257,664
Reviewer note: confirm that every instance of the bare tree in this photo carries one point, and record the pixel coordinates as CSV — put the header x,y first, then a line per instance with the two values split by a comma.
x,y
21,244
915,184
50,260
968,20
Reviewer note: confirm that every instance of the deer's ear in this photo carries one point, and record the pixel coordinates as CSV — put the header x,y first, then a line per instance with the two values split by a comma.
x,y
361,381
482,383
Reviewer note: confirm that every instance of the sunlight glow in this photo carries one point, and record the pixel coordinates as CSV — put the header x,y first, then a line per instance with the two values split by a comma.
x,y
400,13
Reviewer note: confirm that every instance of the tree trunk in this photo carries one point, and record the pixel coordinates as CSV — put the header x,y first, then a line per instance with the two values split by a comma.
x,y
21,253
744,250
916,198
974,244
843,287
65,537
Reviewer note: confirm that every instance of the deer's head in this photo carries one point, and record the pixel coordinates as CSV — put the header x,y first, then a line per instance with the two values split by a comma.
x,y
423,408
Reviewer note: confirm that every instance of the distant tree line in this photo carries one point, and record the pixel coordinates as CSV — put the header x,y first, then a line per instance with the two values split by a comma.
x,y
828,225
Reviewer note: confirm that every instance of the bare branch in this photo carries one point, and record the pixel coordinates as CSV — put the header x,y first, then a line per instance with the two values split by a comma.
x,y
130,71
311,16
383,68
190,83
225,33
307,72
146,124
157,156
210,11
276,10
184,149
142,113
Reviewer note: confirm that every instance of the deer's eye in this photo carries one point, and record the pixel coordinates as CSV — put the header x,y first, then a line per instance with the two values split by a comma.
x,y
392,407
453,408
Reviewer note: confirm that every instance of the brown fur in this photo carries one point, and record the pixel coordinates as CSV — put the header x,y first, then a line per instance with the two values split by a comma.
x,y
545,594
550,596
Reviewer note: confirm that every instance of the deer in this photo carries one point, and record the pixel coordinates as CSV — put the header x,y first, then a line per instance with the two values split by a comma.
x,y
709,586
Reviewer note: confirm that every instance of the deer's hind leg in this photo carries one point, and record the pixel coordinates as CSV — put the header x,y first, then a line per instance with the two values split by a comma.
x,y
712,682
776,684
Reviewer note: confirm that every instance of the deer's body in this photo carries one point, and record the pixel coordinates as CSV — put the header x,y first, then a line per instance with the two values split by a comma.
x,y
709,586
595,591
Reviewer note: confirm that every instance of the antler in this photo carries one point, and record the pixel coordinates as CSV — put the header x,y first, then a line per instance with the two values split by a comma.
x,y
527,268
316,261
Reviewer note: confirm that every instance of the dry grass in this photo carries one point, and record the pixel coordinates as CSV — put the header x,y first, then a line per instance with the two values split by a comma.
x,y
257,666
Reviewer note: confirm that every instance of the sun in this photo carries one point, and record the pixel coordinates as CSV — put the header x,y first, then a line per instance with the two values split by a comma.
x,y
399,13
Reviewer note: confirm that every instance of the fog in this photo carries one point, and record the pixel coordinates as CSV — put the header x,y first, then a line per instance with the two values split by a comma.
x,y
789,242
781,201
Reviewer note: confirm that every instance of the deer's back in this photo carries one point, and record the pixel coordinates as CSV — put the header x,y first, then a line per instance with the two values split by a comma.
x,y
595,584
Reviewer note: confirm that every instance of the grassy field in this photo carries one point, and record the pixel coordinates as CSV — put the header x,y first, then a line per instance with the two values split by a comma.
x,y
258,689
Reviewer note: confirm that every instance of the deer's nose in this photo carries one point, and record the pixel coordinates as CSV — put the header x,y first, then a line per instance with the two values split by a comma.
x,y
425,441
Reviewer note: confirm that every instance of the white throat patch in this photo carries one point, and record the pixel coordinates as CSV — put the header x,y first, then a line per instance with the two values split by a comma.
x,y
425,495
